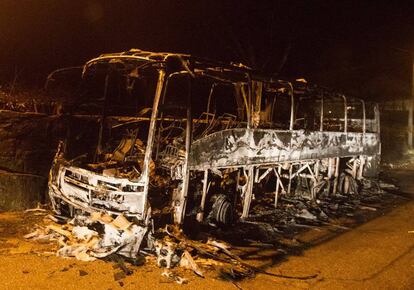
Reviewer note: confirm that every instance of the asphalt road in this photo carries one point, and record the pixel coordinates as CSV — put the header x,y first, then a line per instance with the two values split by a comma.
x,y
377,254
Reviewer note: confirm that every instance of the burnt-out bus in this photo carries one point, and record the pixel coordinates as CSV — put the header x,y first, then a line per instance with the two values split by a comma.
x,y
171,135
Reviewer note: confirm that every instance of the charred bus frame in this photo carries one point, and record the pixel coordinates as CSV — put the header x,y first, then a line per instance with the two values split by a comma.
x,y
325,139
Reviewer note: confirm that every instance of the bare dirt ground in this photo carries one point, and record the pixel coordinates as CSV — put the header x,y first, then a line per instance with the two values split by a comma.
x,y
377,253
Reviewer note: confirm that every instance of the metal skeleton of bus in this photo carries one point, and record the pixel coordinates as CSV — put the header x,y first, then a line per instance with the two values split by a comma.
x,y
210,163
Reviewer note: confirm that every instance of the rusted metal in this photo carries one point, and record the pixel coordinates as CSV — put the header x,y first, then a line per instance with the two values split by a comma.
x,y
200,215
238,147
249,192
228,138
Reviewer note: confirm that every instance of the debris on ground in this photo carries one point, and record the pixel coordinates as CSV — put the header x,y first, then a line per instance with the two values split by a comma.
x,y
97,235
304,213
173,277
385,185
37,209
188,262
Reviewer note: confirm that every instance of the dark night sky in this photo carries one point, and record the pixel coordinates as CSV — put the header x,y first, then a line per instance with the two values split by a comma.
x,y
352,46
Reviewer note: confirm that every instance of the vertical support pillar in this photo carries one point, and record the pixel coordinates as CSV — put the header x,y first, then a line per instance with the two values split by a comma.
x,y
316,169
330,174
256,175
345,114
278,181
316,181
150,143
249,193
321,124
336,175
361,167
364,119
290,179
237,188
355,167
200,215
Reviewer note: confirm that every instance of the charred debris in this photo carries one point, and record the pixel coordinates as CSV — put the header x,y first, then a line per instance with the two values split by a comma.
x,y
160,145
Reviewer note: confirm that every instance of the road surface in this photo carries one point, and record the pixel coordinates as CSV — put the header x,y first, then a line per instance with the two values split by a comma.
x,y
377,254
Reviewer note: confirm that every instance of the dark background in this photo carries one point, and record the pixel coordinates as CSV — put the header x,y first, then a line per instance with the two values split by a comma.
x,y
357,47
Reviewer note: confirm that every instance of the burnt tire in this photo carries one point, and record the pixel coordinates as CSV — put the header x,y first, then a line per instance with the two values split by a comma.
x,y
221,211
347,184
